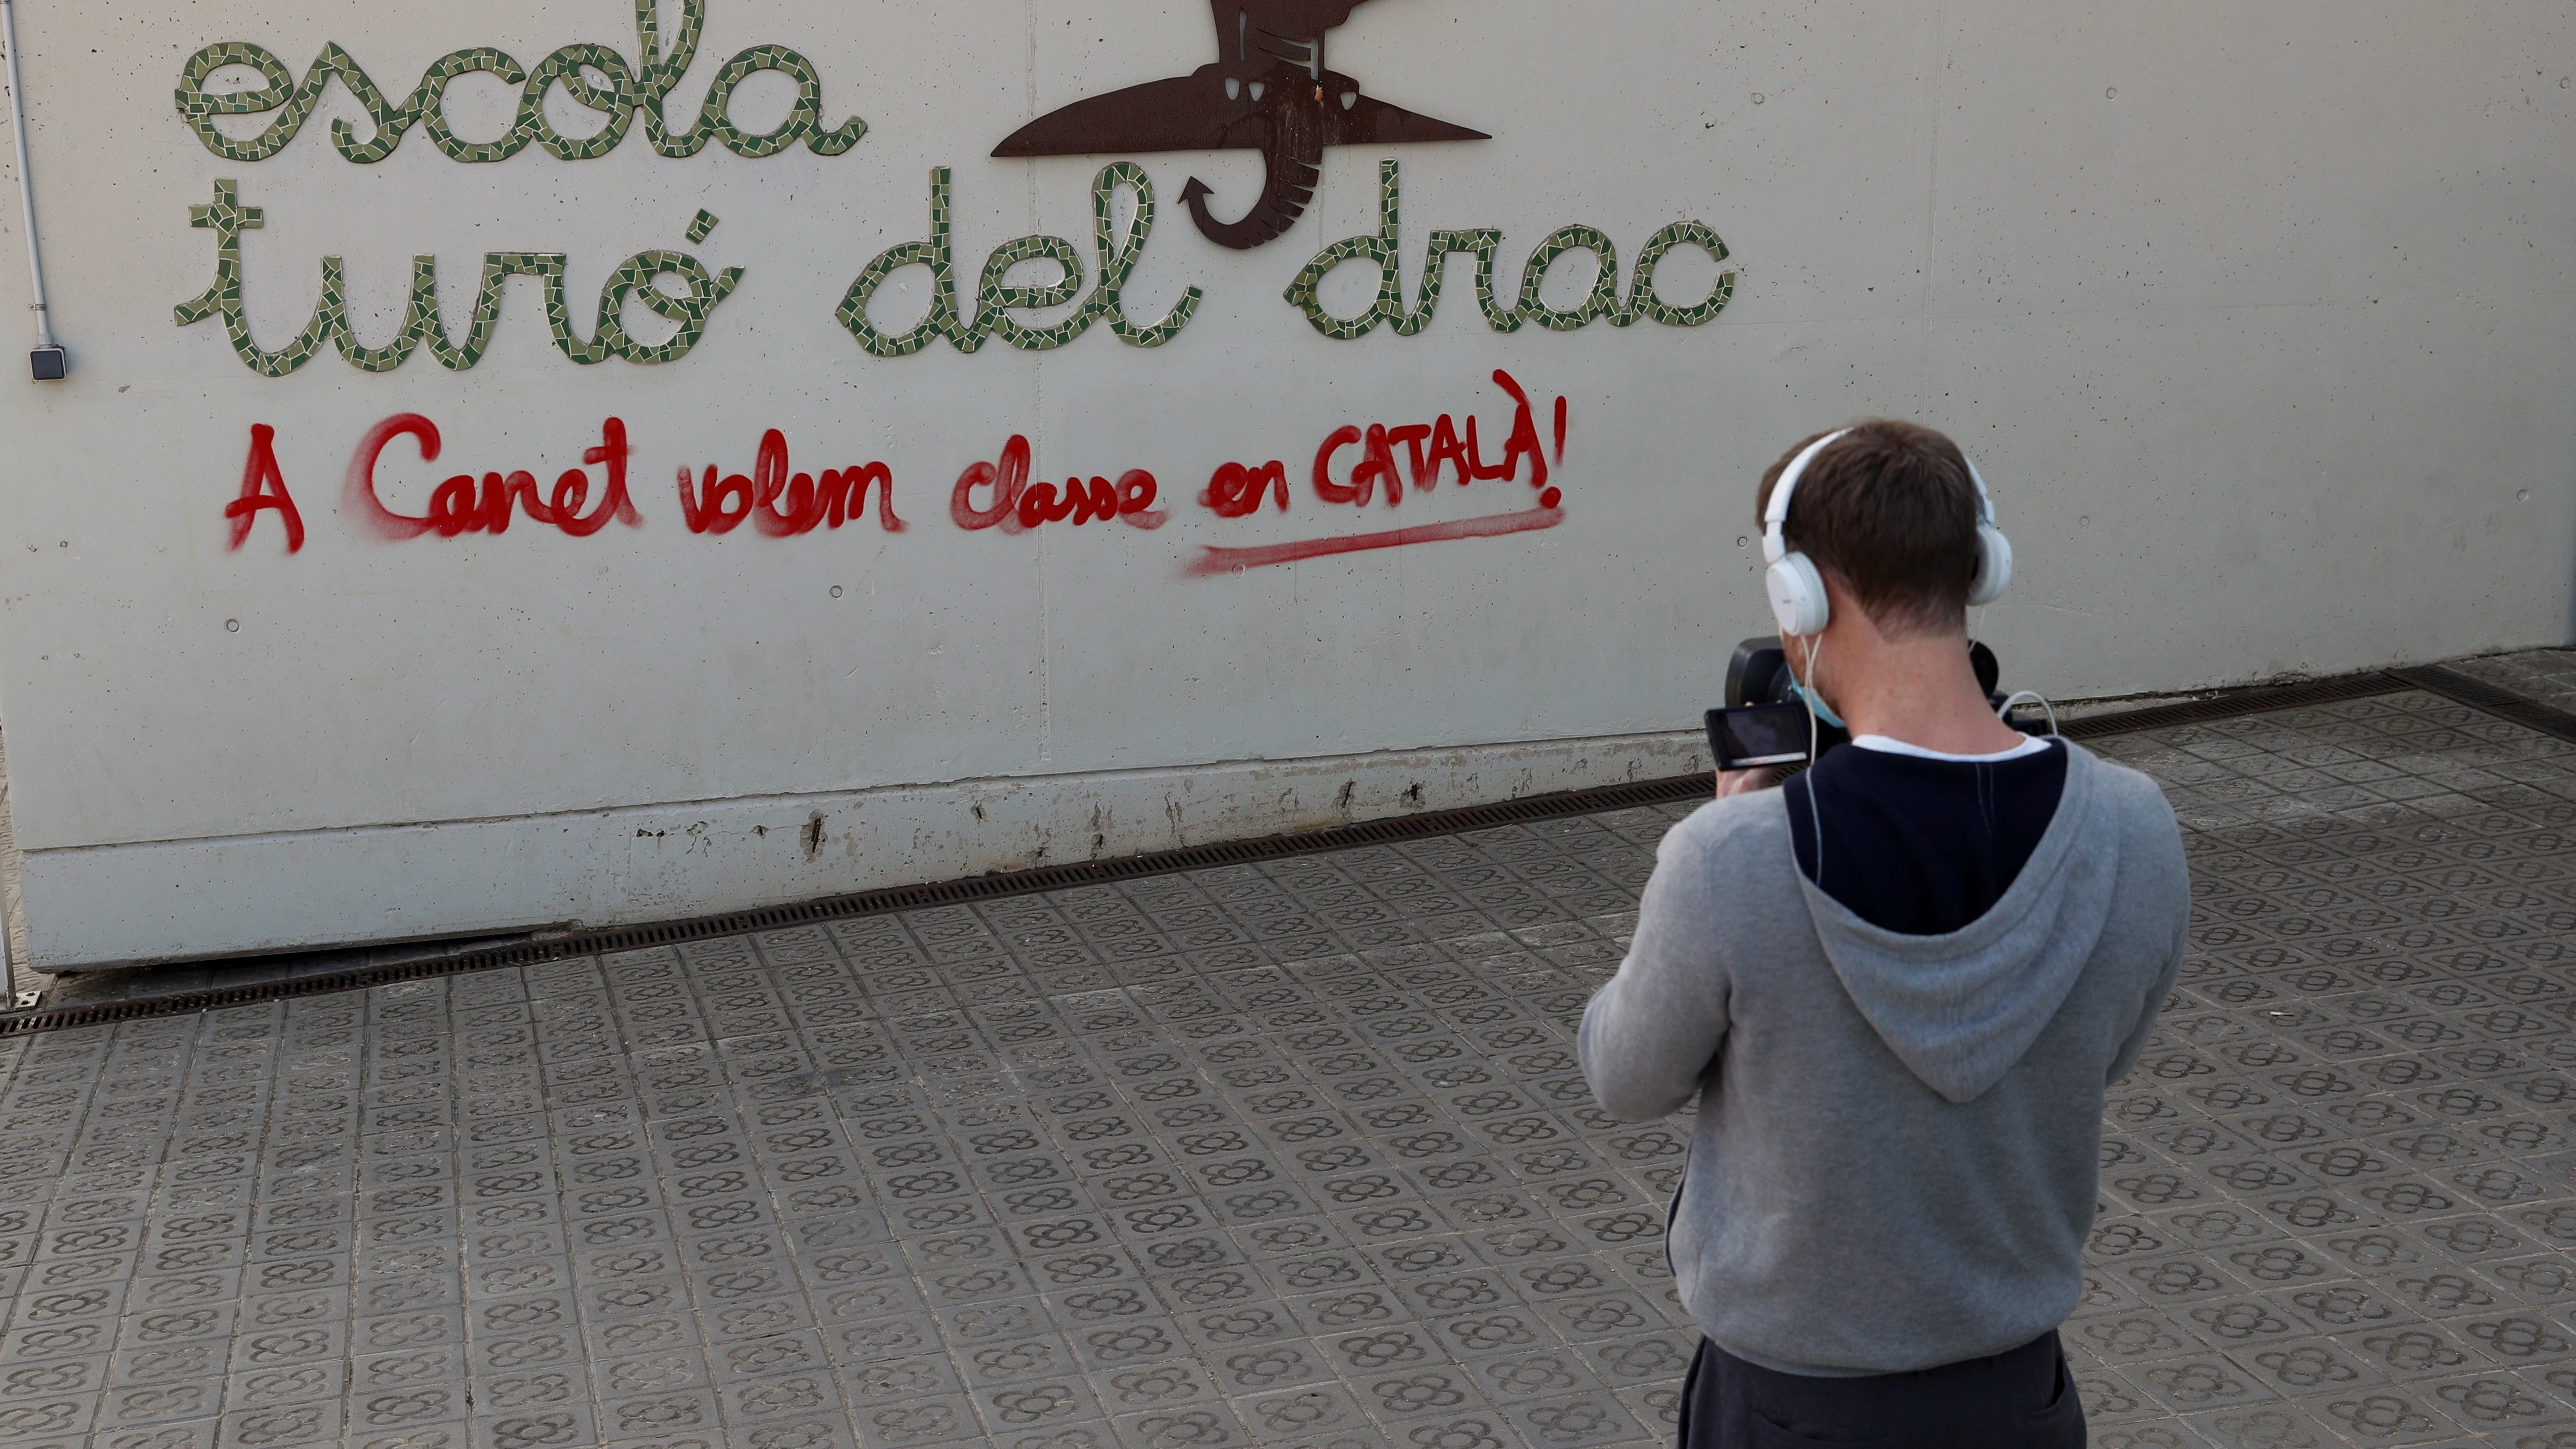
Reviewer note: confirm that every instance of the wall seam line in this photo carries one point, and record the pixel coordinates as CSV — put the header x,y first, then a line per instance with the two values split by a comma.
x,y
999,783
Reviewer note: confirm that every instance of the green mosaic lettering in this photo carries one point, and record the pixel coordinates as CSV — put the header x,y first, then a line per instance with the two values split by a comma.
x,y
933,253
430,104
625,91
422,324
994,300
1382,250
633,280
1118,256
1643,301
565,68
1604,301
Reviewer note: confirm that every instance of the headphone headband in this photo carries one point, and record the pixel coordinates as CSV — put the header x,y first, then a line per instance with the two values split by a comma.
x,y
1985,500
1775,518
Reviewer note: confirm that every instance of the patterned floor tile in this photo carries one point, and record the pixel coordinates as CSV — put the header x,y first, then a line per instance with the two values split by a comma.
x,y
1293,1153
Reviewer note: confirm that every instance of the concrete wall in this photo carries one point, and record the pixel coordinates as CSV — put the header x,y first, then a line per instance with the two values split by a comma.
x,y
2257,317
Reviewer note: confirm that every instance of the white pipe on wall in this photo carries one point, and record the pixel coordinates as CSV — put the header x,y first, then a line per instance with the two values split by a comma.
x,y
47,359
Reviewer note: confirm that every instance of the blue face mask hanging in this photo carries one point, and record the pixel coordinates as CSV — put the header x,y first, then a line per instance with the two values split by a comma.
x,y
1816,702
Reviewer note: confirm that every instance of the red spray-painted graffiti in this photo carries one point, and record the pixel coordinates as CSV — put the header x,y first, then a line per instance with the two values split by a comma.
x,y
1430,447
1019,505
780,503
1238,491
263,486
841,496
455,508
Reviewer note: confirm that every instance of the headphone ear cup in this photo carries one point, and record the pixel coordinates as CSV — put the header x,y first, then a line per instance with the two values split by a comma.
x,y
1798,600
1994,565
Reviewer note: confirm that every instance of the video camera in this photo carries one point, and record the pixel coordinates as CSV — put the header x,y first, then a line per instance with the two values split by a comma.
x,y
1765,723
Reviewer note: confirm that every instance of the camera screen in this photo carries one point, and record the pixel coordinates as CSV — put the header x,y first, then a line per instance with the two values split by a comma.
x,y
1765,734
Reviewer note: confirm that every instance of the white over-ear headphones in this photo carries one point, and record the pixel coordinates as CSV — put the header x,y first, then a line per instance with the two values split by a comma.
x,y
1798,599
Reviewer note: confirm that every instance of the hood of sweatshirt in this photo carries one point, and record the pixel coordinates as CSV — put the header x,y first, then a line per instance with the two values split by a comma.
x,y
1960,1010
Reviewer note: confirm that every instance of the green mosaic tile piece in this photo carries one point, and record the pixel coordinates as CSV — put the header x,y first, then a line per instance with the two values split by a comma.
x,y
702,226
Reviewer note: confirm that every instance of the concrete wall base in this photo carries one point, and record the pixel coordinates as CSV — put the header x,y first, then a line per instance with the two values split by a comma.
x,y
115,905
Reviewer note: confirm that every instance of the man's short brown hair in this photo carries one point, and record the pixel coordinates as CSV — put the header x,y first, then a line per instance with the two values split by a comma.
x,y
1891,513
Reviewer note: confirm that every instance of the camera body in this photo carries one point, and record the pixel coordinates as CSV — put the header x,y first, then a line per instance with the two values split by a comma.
x,y
1758,679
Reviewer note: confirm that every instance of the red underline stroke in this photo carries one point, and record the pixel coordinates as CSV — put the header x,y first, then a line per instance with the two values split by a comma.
x,y
1226,560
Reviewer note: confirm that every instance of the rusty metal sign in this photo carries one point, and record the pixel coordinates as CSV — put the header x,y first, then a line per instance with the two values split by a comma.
x,y
1268,91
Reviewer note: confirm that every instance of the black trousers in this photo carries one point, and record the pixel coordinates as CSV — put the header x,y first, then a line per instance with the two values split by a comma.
x,y
2021,1399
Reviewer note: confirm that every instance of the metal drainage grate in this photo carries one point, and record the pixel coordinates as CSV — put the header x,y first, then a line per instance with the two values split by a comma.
x,y
2458,687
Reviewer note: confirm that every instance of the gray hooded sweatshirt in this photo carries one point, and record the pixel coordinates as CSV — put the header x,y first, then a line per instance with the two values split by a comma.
x,y
1895,1162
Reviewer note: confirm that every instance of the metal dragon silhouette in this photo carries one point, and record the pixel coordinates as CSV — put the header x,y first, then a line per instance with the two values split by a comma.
x,y
1268,92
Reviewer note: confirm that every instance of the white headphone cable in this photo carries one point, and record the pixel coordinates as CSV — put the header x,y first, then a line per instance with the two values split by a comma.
x,y
2005,713
1815,728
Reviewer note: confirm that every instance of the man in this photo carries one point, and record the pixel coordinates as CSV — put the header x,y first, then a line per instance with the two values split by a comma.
x,y
1897,989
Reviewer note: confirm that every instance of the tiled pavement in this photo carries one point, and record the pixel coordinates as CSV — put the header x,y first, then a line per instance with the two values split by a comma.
x,y
1290,1154
2547,676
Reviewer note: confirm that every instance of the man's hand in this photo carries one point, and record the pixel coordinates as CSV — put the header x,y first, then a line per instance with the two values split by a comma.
x,y
1740,782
